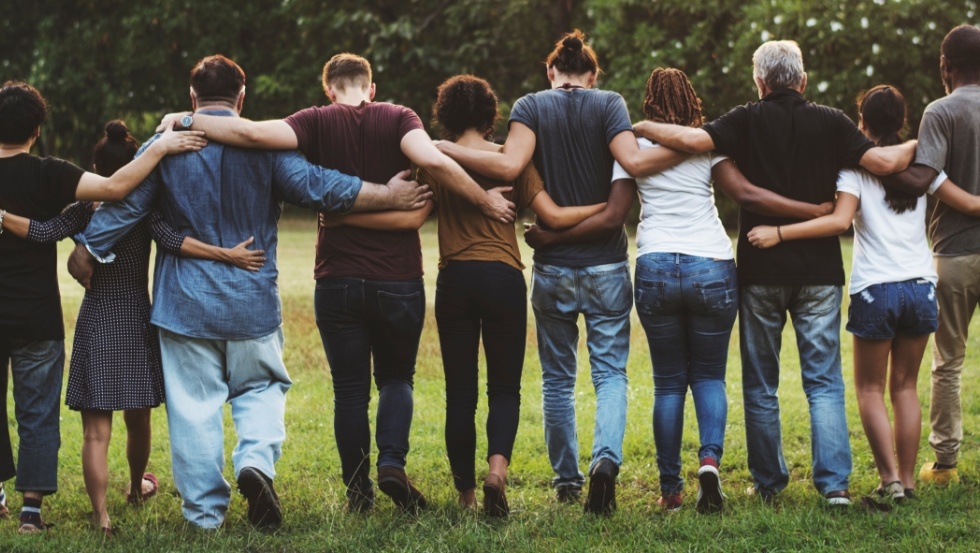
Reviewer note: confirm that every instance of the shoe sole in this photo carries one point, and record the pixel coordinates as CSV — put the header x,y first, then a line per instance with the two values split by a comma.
x,y
710,498
264,510
495,502
602,494
401,494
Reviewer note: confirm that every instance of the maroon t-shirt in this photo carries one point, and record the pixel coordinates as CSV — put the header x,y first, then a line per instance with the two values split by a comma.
x,y
365,141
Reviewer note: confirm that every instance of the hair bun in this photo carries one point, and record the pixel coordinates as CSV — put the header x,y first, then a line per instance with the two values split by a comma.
x,y
572,43
116,131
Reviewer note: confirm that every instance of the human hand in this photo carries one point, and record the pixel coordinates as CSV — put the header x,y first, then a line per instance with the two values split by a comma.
x,y
764,237
407,194
329,220
825,208
173,142
535,236
497,207
81,265
170,119
243,258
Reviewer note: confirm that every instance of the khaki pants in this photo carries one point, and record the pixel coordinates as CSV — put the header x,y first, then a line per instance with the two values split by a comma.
x,y
957,293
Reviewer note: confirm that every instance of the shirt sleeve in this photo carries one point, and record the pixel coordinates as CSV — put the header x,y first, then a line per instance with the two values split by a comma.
x,y
716,158
849,181
530,184
525,111
408,122
113,220
728,130
165,235
302,183
60,180
940,179
617,117
71,221
851,142
933,147
304,123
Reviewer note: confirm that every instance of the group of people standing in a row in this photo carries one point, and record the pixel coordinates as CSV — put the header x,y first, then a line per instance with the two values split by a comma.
x,y
572,156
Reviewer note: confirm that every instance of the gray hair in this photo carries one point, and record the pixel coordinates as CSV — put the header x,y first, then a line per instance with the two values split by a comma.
x,y
779,64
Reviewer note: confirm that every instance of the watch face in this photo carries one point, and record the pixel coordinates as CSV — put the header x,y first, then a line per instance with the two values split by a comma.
x,y
186,121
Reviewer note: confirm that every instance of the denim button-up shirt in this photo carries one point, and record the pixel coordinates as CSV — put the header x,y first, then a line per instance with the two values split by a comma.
x,y
220,195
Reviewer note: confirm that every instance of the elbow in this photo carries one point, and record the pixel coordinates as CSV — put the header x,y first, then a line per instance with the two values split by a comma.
x,y
114,193
841,226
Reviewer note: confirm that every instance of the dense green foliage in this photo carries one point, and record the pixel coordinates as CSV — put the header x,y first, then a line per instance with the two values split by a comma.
x,y
96,60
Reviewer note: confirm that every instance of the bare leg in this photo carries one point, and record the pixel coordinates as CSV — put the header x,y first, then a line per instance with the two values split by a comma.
x,y
906,357
138,435
498,465
97,428
870,376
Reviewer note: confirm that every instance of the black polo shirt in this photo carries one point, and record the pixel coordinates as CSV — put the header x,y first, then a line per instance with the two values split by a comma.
x,y
795,148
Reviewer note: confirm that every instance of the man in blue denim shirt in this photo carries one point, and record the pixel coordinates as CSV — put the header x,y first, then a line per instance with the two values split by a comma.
x,y
220,328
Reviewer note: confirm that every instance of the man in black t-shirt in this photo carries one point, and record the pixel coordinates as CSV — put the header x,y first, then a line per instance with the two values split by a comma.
x,y
31,329
795,148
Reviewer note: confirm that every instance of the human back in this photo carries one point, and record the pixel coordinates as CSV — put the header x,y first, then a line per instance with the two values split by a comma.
x,y
364,140
573,129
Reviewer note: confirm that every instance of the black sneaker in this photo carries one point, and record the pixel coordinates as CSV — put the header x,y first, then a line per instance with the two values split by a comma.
x,y
602,488
710,497
264,510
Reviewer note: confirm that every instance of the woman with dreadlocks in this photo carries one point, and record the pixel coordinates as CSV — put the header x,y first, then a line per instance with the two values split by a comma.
x,y
686,296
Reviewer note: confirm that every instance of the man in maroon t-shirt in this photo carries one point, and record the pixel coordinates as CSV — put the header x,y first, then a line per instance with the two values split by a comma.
x,y
370,298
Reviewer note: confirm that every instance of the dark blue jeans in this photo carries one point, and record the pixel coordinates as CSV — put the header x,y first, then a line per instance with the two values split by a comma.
x,y
474,298
687,307
360,320
37,367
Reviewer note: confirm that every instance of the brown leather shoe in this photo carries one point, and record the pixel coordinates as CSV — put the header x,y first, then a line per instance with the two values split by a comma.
x,y
394,483
494,499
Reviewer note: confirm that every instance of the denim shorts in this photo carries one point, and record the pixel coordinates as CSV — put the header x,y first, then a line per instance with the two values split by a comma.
x,y
881,311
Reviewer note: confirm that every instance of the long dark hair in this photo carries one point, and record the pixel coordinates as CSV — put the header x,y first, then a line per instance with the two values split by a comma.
x,y
884,112
115,149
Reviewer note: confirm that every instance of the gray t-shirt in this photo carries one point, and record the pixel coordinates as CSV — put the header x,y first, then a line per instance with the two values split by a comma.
x,y
949,139
573,130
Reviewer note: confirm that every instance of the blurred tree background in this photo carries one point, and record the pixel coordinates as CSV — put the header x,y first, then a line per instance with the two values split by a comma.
x,y
97,60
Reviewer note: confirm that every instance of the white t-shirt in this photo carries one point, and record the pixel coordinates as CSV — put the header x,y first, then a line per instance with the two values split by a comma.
x,y
888,246
678,213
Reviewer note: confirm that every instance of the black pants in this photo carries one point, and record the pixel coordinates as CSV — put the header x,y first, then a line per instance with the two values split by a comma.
x,y
475,296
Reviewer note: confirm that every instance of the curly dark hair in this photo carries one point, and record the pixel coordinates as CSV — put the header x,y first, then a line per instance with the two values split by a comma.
x,y
465,102
670,98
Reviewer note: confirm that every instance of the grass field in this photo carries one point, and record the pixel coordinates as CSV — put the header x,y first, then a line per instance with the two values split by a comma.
x,y
942,519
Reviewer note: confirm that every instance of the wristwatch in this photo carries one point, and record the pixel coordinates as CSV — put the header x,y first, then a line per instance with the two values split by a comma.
x,y
186,121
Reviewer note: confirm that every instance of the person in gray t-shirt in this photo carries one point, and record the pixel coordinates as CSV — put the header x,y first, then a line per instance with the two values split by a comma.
x,y
574,132
949,138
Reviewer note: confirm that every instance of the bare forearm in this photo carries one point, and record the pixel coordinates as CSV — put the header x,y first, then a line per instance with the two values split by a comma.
x,y
16,225
496,165
676,137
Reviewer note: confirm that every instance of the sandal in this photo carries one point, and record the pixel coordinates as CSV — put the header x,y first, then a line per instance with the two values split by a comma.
x,y
138,500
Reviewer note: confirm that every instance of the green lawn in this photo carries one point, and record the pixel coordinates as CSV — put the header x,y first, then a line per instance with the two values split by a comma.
x,y
312,492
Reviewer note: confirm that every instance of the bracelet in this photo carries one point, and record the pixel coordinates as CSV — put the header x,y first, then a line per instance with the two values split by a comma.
x,y
2,213
779,233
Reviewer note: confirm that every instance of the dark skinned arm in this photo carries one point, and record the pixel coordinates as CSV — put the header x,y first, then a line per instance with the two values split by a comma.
x,y
915,180
609,220
733,183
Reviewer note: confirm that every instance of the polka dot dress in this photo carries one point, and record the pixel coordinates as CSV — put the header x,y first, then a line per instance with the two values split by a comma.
x,y
115,362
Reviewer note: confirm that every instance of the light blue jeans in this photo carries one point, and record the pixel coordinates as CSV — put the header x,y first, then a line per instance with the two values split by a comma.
x,y
687,306
603,295
37,367
200,375
815,313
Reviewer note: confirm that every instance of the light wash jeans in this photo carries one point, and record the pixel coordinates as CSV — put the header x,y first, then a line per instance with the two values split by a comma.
x,y
687,306
815,313
37,367
200,375
603,294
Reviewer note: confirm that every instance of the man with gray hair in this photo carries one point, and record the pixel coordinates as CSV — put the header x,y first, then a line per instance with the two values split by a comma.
x,y
795,148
